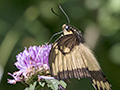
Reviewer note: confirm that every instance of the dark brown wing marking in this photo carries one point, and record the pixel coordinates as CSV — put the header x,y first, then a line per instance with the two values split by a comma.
x,y
67,41
99,80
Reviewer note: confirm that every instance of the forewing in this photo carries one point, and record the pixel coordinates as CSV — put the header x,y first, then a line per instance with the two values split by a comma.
x,y
65,61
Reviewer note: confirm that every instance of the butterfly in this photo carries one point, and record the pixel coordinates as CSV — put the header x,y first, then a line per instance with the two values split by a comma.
x,y
71,58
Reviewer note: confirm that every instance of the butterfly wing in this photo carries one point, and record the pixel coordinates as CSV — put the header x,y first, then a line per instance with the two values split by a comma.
x,y
68,59
65,62
98,79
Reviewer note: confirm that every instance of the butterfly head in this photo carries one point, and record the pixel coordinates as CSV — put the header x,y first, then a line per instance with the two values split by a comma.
x,y
67,29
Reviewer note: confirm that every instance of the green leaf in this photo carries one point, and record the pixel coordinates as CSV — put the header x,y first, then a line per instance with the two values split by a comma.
x,y
32,86
63,83
42,84
53,84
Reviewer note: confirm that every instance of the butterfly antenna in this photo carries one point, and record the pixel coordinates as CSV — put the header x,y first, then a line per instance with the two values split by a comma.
x,y
58,15
64,13
54,35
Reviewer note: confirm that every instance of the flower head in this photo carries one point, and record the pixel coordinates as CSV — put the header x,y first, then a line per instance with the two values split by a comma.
x,y
31,63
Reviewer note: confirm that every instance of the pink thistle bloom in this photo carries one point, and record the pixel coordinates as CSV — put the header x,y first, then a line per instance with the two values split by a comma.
x,y
31,63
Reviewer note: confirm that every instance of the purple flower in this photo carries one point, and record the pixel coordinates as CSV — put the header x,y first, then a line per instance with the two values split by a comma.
x,y
31,63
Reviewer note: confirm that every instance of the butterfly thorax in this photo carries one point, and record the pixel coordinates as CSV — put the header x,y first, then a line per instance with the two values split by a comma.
x,y
68,29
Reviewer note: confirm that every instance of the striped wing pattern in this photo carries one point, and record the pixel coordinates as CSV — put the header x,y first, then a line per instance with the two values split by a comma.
x,y
67,62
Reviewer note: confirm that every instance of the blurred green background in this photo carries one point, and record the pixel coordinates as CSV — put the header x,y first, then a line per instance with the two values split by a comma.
x,y
31,22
